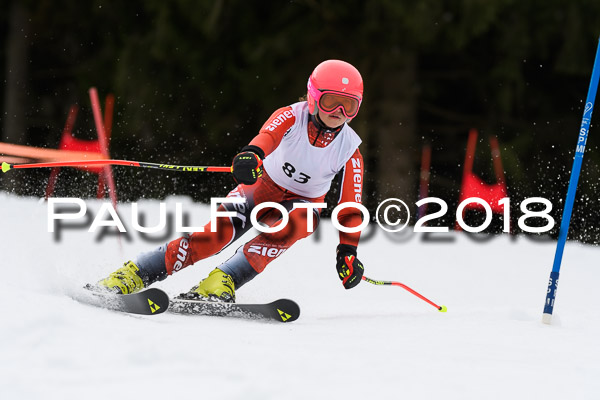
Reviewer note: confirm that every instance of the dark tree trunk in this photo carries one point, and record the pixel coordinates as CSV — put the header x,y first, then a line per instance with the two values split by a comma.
x,y
397,130
14,124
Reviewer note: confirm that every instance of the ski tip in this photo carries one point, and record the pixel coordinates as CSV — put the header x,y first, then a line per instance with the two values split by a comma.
x,y
287,310
443,309
5,166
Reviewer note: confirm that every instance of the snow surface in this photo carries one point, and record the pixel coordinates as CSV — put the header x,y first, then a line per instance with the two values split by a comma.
x,y
369,342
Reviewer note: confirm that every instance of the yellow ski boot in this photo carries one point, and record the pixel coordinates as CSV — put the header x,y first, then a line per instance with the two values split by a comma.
x,y
218,286
125,280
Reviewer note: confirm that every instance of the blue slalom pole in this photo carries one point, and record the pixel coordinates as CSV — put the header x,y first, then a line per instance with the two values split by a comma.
x,y
566,218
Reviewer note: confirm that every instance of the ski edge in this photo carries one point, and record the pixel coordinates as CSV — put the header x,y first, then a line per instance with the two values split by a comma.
x,y
150,301
281,310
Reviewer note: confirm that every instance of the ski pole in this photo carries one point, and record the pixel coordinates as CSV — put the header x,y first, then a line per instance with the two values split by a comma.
x,y
87,163
586,121
392,283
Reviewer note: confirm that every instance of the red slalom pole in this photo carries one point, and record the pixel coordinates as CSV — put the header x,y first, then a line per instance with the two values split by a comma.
x,y
391,283
84,163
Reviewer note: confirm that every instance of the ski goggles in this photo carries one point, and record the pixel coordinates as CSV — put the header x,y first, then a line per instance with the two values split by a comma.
x,y
330,101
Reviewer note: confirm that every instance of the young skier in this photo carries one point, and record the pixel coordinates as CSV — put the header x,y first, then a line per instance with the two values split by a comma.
x,y
293,160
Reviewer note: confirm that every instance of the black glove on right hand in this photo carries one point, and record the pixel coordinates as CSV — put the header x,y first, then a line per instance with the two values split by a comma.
x,y
349,268
246,168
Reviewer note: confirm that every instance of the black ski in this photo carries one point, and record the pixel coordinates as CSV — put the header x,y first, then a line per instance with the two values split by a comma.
x,y
282,310
147,302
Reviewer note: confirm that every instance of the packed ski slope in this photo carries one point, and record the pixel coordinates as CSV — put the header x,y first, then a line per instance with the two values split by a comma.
x,y
369,342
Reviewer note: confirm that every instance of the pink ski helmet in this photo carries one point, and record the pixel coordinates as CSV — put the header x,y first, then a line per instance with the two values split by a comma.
x,y
333,85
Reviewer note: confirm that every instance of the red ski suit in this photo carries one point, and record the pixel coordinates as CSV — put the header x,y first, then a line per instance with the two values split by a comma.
x,y
265,247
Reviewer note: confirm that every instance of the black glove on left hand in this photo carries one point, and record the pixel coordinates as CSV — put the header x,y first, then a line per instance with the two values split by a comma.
x,y
349,268
246,168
